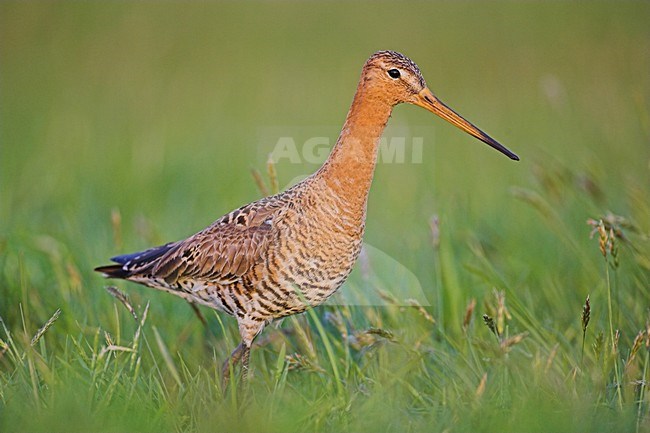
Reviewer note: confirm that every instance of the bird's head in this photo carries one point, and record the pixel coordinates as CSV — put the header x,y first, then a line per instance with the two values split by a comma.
x,y
400,80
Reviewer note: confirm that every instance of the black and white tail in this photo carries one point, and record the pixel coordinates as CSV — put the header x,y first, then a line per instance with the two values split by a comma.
x,y
130,264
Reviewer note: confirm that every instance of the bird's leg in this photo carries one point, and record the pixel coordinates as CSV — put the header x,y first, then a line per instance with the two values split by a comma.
x,y
244,362
198,313
232,360
248,330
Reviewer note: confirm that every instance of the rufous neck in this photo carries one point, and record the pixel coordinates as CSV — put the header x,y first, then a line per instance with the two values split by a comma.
x,y
350,166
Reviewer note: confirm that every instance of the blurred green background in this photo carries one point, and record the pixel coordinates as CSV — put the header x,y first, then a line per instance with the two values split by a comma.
x,y
157,111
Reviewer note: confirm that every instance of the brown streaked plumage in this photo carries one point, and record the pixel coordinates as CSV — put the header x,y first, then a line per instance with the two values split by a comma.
x,y
282,254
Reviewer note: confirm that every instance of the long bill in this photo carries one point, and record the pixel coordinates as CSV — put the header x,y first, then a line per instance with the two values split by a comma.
x,y
428,101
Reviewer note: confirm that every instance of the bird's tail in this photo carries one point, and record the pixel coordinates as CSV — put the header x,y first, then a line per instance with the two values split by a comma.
x,y
113,271
132,264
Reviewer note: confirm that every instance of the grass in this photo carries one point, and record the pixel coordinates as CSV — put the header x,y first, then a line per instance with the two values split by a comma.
x,y
125,125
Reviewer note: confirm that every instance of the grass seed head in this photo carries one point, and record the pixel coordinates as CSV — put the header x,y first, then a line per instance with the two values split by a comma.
x,y
618,223
602,238
336,319
617,337
508,343
597,226
420,309
636,345
535,200
610,234
489,322
598,344
480,389
46,326
502,311
259,182
367,338
273,175
586,314
469,312
297,361
613,248
383,333
121,296
109,339
3,347
388,297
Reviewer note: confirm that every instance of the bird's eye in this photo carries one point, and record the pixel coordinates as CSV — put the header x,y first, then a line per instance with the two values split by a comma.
x,y
394,73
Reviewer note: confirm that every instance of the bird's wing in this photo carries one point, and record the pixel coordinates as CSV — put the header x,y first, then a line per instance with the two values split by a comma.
x,y
223,252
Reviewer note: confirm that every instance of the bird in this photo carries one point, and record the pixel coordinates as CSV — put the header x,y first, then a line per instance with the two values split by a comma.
x,y
289,252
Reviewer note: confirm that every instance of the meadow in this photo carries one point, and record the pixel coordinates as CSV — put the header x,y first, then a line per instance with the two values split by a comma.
x,y
493,295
